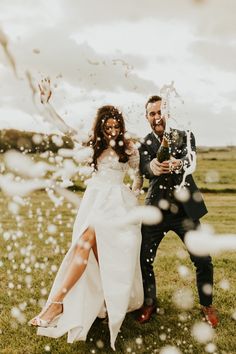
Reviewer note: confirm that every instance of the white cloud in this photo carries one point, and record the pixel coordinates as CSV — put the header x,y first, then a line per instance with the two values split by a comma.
x,y
220,54
11,118
205,16
79,64
105,12
188,41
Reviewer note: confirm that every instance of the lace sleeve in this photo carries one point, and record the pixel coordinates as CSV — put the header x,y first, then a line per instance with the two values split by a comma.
x,y
135,172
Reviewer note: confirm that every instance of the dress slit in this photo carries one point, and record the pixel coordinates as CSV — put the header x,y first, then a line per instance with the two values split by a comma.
x,y
115,278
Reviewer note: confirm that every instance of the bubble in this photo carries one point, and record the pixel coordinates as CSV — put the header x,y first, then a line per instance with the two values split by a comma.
x,y
202,332
40,219
19,200
28,279
54,268
18,315
224,284
234,315
112,143
37,139
15,312
51,159
182,195
13,208
183,317
79,260
197,197
181,254
47,348
23,306
100,344
162,337
210,348
183,298
44,155
86,245
57,140
44,291
212,176
139,341
149,215
85,170
183,271
169,349
203,241
52,229
207,289
64,290
163,204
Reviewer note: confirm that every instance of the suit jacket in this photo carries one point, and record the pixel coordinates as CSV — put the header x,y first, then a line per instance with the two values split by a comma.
x,y
163,186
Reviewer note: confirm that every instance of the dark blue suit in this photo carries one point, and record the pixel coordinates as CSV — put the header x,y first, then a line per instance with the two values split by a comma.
x,y
180,217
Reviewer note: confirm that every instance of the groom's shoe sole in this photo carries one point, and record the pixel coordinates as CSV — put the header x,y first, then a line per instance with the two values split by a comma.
x,y
146,313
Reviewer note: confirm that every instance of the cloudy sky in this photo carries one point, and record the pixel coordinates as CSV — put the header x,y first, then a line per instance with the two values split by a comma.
x,y
120,52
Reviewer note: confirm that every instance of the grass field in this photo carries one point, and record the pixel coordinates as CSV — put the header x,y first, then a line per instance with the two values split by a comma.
x,y
33,243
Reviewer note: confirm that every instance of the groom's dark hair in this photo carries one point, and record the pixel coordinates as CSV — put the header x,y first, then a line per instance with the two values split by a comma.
x,y
153,99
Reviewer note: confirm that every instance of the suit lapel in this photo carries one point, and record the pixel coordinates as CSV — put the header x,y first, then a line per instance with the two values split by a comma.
x,y
155,143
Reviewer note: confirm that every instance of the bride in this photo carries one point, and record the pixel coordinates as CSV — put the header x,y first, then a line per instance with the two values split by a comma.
x,y
100,273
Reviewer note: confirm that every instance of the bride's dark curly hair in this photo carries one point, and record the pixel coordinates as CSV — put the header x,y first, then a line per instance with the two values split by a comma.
x,y
99,143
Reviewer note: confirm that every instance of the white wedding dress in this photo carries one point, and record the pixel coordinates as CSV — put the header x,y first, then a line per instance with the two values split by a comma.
x,y
115,285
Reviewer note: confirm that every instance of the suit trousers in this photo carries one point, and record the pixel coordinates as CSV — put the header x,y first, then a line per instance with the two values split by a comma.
x,y
151,238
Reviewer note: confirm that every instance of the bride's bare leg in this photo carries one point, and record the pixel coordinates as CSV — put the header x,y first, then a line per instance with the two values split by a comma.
x,y
78,263
74,272
95,250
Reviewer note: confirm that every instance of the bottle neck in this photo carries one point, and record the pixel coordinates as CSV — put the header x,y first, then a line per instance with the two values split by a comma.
x,y
165,142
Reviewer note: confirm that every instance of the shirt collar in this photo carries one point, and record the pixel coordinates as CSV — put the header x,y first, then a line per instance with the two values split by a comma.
x,y
156,136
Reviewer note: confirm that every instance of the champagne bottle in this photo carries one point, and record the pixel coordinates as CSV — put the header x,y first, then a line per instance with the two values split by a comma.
x,y
163,153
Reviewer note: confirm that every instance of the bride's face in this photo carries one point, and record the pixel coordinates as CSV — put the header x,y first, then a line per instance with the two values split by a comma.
x,y
111,129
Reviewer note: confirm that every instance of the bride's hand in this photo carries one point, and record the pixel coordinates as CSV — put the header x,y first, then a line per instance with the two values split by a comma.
x,y
45,90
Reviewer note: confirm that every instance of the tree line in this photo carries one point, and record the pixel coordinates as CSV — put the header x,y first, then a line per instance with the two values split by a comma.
x,y
32,142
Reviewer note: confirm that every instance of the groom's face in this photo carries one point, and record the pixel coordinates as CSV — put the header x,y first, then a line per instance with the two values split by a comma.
x,y
156,121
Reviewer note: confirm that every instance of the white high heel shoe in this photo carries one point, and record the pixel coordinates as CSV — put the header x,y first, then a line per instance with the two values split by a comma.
x,y
39,322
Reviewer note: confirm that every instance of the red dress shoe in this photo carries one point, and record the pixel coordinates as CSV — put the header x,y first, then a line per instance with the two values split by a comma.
x,y
146,313
210,315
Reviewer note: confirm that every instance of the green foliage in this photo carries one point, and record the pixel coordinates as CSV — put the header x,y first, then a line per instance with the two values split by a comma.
x,y
32,142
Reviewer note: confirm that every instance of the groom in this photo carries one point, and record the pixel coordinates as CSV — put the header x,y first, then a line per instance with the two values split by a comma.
x,y
179,214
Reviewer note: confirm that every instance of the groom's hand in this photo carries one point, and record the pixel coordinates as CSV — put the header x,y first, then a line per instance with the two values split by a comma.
x,y
175,165
159,168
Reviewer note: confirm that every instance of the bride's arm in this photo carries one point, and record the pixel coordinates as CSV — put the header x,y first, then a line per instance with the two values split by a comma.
x,y
136,175
52,115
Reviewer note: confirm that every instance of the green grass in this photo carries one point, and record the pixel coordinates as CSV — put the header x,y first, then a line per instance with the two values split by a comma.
x,y
42,250
216,170
25,240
